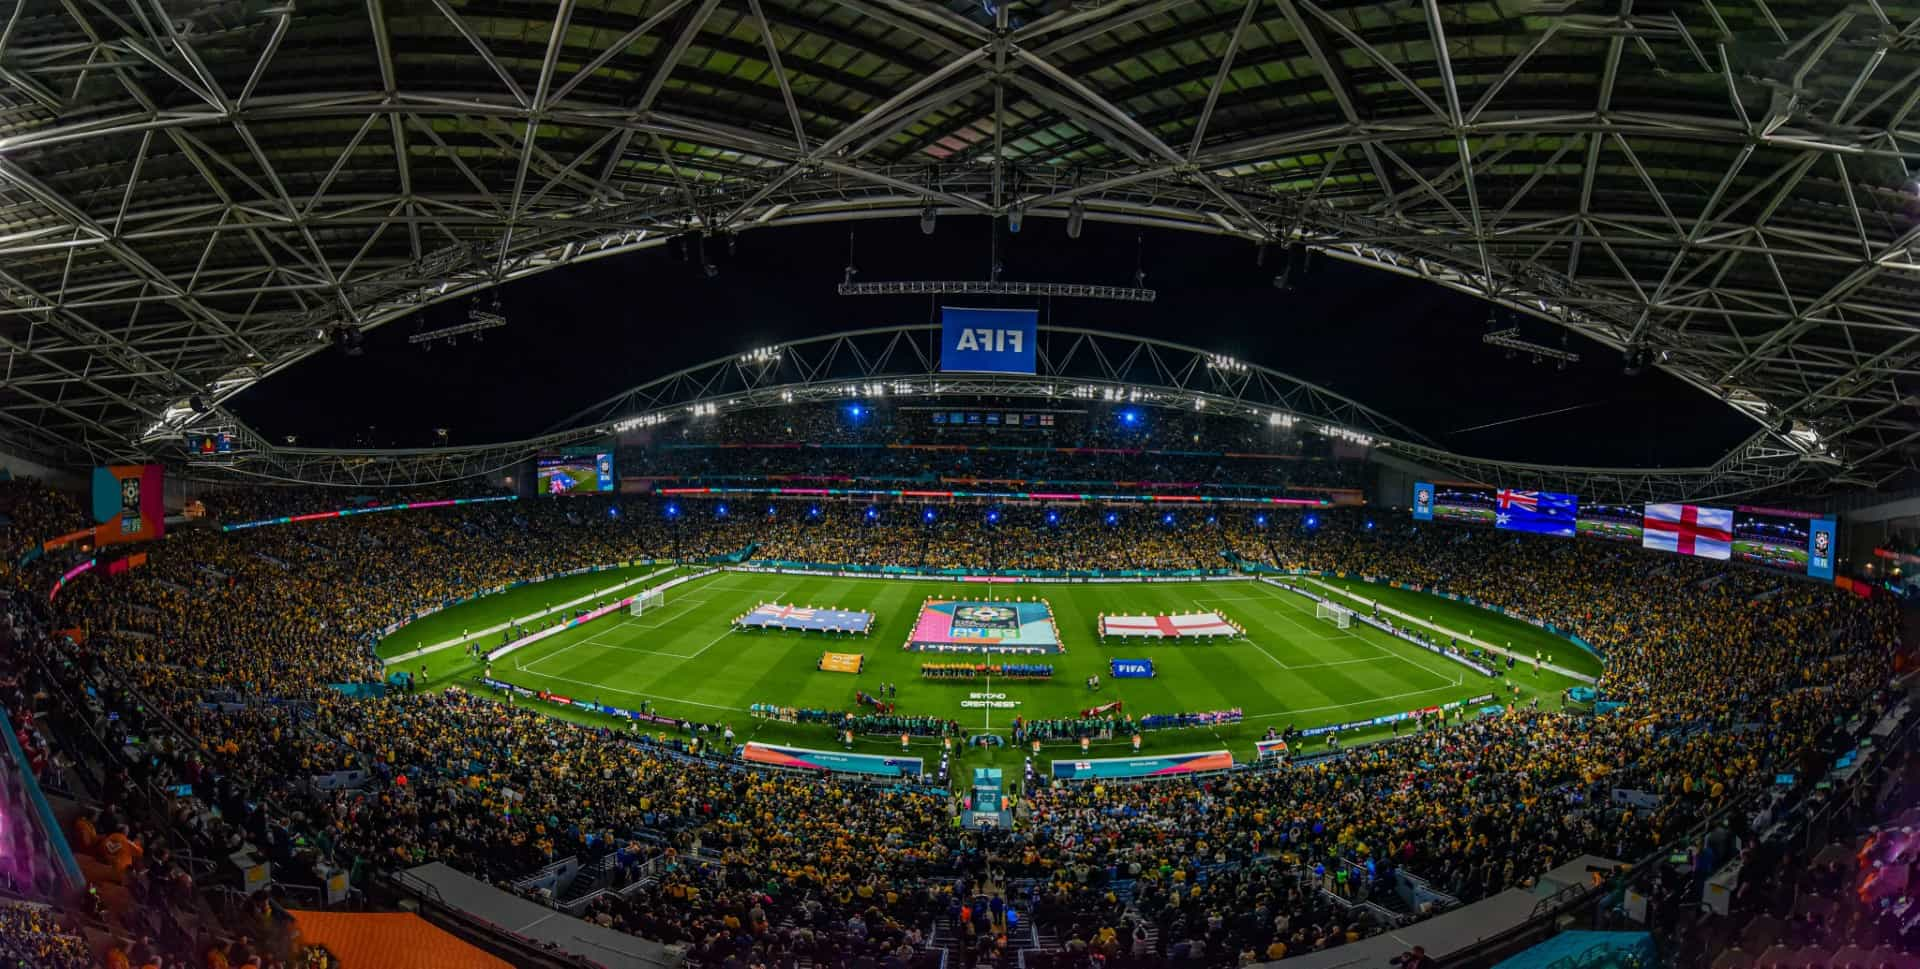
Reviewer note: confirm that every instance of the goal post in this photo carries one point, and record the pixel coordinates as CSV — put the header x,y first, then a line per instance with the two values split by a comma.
x,y
1341,616
648,600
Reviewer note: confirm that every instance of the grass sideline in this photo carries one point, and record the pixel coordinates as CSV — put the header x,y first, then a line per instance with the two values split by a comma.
x,y
512,603
1525,637
686,660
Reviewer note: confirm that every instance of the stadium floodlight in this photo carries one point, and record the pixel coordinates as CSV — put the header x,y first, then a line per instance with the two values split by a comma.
x,y
761,355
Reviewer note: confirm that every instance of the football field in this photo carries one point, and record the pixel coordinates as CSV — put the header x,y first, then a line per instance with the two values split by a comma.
x,y
685,659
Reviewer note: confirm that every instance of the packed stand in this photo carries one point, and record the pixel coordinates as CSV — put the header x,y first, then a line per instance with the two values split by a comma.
x,y
771,865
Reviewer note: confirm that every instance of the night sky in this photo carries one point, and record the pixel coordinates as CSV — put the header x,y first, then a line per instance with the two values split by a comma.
x,y
580,334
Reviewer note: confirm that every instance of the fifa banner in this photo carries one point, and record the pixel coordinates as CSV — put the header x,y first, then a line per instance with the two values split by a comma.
x,y
1119,768
1820,549
988,341
1423,501
1130,669
1688,530
128,504
1539,512
828,760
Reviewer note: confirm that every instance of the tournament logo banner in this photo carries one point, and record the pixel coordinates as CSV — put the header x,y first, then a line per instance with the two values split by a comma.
x,y
128,503
1130,669
1820,549
1423,501
988,340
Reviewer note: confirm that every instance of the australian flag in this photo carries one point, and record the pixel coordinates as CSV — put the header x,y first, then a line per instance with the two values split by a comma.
x,y
1540,512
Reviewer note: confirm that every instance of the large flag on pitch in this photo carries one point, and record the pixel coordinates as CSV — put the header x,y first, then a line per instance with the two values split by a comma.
x,y
1541,512
1689,530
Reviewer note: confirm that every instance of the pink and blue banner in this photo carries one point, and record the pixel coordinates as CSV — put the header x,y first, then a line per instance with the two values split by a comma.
x,y
947,625
828,760
1118,768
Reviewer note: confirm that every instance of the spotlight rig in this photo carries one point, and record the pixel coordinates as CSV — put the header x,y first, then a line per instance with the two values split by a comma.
x,y
1510,340
478,321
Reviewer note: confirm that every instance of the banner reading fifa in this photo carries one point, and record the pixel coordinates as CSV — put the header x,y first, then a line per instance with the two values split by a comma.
x,y
128,504
987,341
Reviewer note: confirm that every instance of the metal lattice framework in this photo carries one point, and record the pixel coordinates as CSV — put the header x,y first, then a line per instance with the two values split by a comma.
x,y
1075,367
191,194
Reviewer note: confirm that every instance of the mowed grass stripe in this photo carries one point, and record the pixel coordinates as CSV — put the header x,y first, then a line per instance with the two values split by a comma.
x,y
1330,675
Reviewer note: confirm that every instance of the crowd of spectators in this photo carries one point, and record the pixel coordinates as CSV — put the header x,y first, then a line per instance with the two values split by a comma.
x,y
217,654
36,936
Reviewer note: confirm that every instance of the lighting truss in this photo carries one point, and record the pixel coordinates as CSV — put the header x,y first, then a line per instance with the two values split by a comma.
x,y
478,321
1510,339
1728,185
1072,364
976,287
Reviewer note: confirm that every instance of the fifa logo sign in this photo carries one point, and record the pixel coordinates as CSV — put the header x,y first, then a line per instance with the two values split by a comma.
x,y
989,340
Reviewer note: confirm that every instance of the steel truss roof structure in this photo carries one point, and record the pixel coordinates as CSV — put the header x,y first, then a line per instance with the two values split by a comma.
x,y
193,194
1075,367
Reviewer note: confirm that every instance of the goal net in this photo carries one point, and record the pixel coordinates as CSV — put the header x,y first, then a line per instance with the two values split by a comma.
x,y
1340,615
649,600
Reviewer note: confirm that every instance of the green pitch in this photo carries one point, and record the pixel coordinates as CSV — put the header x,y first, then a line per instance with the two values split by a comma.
x,y
684,659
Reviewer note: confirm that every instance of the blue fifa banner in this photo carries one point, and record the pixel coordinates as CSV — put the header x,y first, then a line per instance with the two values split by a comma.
x,y
1423,501
1820,549
1131,669
988,341
1539,512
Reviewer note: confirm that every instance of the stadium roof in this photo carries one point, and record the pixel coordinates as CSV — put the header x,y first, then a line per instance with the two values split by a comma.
x,y
194,197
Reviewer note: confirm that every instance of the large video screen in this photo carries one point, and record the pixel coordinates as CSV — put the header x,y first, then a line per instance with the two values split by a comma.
x,y
1796,543
1688,530
1454,503
1539,512
574,474
1615,523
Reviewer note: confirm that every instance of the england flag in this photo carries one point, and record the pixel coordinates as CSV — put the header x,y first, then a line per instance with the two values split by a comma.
x,y
1689,530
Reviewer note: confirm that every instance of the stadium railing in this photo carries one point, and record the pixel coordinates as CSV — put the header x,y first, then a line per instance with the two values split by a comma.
x,y
63,864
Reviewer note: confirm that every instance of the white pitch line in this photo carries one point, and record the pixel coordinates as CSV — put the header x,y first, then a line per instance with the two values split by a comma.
x,y
650,696
1262,650
1348,632
710,642
1343,706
